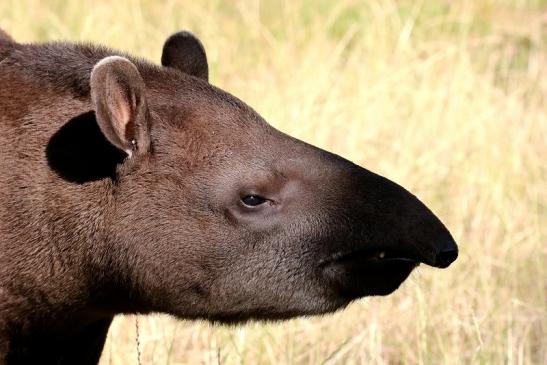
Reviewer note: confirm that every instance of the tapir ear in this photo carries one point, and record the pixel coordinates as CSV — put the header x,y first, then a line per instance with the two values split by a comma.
x,y
185,52
119,98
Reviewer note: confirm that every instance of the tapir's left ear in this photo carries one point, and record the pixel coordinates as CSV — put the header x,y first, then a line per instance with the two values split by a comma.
x,y
119,98
185,52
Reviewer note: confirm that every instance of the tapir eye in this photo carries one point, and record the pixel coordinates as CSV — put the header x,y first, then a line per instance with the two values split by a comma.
x,y
253,200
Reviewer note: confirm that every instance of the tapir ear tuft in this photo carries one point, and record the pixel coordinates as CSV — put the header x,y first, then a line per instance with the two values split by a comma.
x,y
185,52
119,98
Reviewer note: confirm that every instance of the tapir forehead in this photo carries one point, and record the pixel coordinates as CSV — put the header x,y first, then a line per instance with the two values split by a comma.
x,y
196,118
187,99
198,126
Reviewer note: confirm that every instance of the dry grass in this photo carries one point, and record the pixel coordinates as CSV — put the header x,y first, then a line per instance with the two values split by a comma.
x,y
446,97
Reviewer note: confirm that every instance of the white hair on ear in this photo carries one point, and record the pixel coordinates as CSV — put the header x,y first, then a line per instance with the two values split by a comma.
x,y
109,59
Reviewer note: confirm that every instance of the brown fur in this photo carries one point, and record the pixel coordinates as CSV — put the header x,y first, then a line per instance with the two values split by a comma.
x,y
129,193
5,44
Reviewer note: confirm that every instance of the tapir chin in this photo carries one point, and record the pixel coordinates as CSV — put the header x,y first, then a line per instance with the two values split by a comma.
x,y
128,187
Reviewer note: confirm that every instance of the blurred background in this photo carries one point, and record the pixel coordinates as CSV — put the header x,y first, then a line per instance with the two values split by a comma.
x,y
448,98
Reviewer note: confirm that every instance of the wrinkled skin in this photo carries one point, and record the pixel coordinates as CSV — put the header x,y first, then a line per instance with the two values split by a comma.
x,y
133,188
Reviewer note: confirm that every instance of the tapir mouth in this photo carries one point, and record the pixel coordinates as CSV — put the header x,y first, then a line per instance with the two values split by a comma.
x,y
372,255
370,271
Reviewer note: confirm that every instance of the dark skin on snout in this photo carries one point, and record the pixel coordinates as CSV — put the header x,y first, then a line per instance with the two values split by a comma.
x,y
127,187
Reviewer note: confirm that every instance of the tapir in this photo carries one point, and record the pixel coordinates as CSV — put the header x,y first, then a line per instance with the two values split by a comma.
x,y
130,187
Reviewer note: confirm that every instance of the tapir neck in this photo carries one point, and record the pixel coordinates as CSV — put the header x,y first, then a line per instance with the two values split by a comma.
x,y
65,245
56,195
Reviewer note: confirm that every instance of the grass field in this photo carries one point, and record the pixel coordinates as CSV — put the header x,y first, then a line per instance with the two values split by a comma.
x,y
448,98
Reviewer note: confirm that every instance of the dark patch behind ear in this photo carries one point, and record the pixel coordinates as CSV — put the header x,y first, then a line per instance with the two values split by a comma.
x,y
79,152
185,52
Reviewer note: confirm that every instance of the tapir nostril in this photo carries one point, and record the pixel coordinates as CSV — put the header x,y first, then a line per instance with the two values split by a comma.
x,y
447,256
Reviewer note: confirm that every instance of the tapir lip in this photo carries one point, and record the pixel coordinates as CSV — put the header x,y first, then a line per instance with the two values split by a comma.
x,y
380,270
377,255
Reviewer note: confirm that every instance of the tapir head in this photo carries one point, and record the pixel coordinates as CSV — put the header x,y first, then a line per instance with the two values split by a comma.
x,y
218,215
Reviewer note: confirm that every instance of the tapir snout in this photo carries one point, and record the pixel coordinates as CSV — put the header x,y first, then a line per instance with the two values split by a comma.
x,y
374,231
392,233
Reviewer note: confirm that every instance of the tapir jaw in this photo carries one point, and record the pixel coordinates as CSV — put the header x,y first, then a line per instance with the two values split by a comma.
x,y
356,277
367,272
